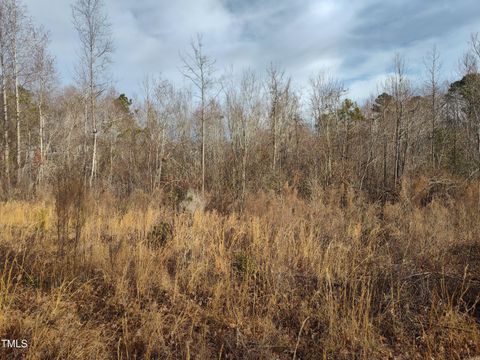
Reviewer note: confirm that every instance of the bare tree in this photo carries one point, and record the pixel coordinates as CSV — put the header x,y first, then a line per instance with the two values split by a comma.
x,y
432,64
15,16
399,87
474,92
163,105
3,68
325,99
243,112
200,70
94,32
19,29
279,91
381,111
43,74
475,46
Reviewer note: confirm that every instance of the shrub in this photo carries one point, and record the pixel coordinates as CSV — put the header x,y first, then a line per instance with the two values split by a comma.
x,y
160,234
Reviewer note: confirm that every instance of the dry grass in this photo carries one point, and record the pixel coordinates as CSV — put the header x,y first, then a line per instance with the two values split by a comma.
x,y
331,278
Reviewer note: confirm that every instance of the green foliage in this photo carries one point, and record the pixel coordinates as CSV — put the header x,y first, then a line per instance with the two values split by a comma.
x,y
124,103
350,111
468,86
469,90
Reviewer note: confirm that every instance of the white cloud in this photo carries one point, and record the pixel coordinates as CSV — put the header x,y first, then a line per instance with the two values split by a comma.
x,y
355,40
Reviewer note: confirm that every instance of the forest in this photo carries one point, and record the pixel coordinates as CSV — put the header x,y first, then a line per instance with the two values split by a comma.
x,y
236,216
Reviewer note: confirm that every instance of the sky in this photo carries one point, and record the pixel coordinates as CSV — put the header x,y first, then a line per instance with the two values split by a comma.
x,y
353,40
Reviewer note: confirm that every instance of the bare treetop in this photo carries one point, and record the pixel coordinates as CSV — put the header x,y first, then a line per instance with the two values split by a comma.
x,y
94,31
198,67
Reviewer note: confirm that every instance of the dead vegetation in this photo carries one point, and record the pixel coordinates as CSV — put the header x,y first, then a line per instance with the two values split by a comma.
x,y
332,277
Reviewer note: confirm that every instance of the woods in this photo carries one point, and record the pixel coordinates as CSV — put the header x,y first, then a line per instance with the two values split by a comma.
x,y
179,138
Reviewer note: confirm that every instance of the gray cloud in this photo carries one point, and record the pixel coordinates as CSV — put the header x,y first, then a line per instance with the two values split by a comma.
x,y
356,40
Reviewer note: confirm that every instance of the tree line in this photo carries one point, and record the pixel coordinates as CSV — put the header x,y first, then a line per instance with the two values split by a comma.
x,y
226,135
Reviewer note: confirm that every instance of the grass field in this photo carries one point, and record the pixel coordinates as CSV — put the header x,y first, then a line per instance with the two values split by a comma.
x,y
332,277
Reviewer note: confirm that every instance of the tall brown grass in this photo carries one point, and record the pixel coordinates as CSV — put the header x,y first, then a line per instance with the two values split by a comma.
x,y
332,277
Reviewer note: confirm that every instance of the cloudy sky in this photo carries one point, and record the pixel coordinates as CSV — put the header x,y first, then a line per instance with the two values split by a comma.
x,y
353,39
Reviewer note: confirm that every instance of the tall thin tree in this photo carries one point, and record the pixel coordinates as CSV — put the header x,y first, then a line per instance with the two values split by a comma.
x,y
432,64
200,69
18,29
43,74
94,31
3,69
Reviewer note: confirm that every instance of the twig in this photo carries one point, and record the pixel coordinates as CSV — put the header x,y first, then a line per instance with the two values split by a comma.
x,y
298,337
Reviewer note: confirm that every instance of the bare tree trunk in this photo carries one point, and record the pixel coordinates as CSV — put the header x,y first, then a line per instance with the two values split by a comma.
x,y
110,176
27,163
244,165
384,160
399,90
41,127
85,145
406,149
162,154
274,137
94,124
17,110
370,155
397,150
94,158
297,139
203,140
155,166
329,153
434,116
6,148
